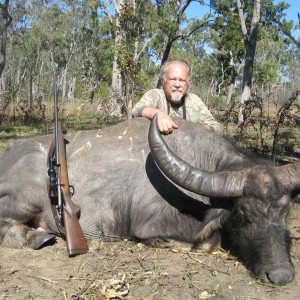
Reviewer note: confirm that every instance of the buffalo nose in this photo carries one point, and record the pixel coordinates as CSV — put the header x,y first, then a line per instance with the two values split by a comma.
x,y
281,276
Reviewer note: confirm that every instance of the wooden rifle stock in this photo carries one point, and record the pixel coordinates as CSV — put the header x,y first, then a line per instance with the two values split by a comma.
x,y
75,240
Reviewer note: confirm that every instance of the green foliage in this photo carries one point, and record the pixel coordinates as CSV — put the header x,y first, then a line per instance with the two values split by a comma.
x,y
77,39
167,19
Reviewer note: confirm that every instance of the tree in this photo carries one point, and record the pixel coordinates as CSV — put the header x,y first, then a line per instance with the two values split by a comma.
x,y
94,43
5,22
276,15
132,30
250,34
79,39
47,43
116,84
134,21
229,47
171,16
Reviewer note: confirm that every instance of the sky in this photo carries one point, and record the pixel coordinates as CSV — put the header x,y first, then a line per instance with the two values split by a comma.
x,y
196,10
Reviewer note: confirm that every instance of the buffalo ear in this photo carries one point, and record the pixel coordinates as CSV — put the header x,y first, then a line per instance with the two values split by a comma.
x,y
295,195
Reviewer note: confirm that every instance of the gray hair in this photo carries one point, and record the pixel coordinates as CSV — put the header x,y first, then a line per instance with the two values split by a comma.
x,y
164,67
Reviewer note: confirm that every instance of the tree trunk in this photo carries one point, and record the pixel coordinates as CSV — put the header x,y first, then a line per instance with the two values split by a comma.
x,y
40,90
129,88
71,91
116,85
230,90
5,21
116,82
232,85
250,40
30,90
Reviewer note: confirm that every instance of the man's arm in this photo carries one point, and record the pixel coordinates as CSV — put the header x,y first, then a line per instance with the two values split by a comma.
x,y
150,104
164,121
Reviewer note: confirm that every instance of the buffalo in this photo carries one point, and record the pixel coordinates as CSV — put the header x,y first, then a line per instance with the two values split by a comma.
x,y
193,187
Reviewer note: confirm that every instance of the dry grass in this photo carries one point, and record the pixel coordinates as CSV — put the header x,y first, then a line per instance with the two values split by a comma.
x,y
19,124
257,135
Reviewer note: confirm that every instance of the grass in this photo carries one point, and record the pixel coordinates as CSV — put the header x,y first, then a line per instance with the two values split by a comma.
x,y
11,133
15,126
257,136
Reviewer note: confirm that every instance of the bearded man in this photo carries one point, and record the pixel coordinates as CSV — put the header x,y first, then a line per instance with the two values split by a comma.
x,y
174,100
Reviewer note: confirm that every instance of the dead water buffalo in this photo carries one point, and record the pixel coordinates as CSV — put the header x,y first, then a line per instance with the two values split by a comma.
x,y
214,192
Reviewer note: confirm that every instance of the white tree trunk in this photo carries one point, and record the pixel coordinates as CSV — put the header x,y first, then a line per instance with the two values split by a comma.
x,y
64,85
116,82
71,91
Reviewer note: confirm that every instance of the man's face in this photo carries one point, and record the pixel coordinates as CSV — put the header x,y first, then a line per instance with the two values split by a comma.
x,y
176,82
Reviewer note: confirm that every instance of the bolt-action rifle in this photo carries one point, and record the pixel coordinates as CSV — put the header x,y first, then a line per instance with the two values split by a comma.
x,y
65,212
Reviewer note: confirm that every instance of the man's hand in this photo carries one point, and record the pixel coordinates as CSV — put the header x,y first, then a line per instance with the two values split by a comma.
x,y
164,122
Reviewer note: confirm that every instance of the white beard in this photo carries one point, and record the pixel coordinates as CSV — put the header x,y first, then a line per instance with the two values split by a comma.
x,y
176,98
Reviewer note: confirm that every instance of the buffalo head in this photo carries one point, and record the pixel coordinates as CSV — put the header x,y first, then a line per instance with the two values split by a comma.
x,y
249,206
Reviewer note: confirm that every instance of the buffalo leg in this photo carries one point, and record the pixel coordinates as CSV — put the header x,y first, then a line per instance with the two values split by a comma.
x,y
20,235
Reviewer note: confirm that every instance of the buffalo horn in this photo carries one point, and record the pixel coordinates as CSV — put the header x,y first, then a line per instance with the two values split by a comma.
x,y
289,176
210,184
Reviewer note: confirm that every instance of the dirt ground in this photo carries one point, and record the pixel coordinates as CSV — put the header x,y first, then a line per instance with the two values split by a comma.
x,y
127,270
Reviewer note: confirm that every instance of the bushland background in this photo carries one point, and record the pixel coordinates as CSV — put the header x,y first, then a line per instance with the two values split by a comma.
x,y
244,57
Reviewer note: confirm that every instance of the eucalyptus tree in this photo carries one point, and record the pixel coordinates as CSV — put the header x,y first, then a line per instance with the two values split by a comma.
x,y
94,53
117,32
282,30
265,14
140,28
18,64
249,14
228,47
133,26
277,17
240,26
48,44
4,23
274,57
6,19
172,23
137,19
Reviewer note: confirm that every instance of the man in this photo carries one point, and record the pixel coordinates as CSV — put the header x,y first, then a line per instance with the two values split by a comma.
x,y
174,100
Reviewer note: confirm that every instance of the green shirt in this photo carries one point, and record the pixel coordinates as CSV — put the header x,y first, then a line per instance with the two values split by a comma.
x,y
196,110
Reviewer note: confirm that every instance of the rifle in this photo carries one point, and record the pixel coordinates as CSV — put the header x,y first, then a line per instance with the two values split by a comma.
x,y
65,212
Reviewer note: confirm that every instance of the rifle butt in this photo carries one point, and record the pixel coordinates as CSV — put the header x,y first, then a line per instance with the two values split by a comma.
x,y
75,240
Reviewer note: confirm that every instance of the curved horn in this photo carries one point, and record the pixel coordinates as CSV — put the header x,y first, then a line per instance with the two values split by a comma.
x,y
289,175
206,183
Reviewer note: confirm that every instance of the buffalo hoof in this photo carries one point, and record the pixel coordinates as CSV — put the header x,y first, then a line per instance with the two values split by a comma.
x,y
43,239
